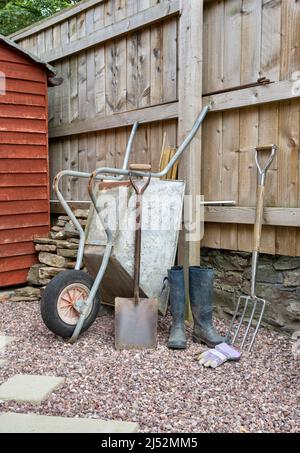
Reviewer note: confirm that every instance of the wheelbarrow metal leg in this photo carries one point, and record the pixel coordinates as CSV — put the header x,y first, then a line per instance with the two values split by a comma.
x,y
93,292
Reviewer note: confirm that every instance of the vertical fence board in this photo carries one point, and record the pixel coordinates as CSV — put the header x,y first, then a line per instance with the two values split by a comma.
x,y
213,46
230,173
232,43
268,133
247,171
288,157
156,94
251,41
211,176
169,61
271,40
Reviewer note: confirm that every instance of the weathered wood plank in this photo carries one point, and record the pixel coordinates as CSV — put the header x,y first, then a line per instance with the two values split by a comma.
x,y
99,16
156,94
271,40
232,43
54,19
287,196
230,172
115,64
251,40
190,100
273,92
211,173
147,115
246,216
143,68
121,142
290,48
132,72
268,133
156,140
83,166
141,20
120,10
100,80
109,12
169,66
56,207
74,165
247,171
213,47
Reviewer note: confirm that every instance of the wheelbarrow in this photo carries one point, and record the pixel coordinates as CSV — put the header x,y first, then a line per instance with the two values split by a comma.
x,y
71,300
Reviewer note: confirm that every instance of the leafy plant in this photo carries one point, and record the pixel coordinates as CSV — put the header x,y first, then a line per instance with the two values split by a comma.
x,y
17,14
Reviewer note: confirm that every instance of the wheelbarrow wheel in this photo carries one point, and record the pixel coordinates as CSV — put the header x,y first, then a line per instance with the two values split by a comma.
x,y
59,297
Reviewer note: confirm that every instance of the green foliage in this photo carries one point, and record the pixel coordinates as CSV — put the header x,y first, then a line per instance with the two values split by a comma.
x,y
17,14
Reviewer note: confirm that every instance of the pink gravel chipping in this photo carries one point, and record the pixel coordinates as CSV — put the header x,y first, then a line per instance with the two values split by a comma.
x,y
164,391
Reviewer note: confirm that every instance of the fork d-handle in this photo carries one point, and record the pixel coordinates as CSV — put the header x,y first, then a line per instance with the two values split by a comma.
x,y
138,225
260,208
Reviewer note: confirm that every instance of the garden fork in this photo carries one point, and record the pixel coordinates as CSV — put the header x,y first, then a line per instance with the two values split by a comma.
x,y
253,303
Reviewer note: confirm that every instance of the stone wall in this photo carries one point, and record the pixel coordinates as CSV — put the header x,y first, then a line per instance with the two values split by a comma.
x,y
278,281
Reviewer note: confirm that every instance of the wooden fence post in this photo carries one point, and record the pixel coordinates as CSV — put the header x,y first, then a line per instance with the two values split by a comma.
x,y
190,103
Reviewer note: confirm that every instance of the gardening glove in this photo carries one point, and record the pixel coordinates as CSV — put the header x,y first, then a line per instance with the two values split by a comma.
x,y
222,353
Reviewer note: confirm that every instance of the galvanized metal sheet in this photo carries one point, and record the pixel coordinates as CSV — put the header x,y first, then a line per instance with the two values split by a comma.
x,y
161,223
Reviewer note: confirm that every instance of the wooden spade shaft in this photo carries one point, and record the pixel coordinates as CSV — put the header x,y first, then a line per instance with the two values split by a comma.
x,y
136,319
138,235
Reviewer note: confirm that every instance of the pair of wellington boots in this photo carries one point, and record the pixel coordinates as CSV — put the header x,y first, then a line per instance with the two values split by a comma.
x,y
201,300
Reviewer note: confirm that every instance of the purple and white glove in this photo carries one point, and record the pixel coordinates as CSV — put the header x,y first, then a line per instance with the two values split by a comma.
x,y
222,353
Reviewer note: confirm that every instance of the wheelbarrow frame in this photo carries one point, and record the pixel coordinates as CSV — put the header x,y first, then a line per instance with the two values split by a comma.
x,y
115,174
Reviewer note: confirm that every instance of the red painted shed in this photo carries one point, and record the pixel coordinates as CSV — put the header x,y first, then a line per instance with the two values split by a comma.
x,y
24,181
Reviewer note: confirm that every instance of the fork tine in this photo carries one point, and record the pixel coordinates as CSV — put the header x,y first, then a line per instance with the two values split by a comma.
x,y
249,323
234,316
258,322
242,318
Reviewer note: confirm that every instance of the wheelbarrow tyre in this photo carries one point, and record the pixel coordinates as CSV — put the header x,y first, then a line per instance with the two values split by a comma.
x,y
49,303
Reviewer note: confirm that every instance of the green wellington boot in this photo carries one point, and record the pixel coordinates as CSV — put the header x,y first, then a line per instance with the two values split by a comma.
x,y
177,339
201,299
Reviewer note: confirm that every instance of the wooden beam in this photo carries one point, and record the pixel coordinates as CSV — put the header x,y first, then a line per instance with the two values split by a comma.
x,y
99,123
190,103
273,92
54,19
143,19
287,217
245,215
60,17
56,207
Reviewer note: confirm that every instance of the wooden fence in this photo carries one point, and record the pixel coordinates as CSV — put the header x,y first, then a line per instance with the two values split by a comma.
x,y
243,42
124,60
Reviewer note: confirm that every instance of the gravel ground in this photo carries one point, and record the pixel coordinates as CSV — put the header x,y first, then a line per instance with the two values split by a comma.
x,y
163,390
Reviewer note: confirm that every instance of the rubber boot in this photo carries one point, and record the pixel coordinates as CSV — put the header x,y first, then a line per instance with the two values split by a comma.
x,y
201,299
177,339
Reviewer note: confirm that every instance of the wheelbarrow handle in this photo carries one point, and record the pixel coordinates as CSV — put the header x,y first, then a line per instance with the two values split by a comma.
x,y
263,170
140,167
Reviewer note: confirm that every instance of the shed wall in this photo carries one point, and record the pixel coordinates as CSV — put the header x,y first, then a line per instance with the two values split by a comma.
x,y
24,184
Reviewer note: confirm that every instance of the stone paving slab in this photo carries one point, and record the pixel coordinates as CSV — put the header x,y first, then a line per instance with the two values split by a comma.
x,y
31,423
29,388
5,341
